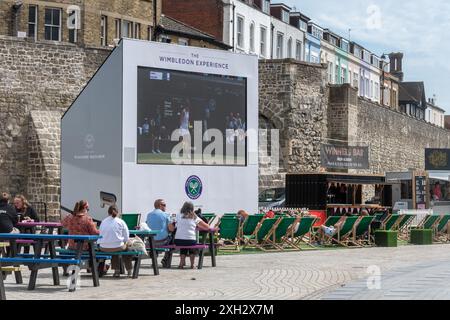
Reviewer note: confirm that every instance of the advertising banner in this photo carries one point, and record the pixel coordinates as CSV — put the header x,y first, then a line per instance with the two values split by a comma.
x,y
437,159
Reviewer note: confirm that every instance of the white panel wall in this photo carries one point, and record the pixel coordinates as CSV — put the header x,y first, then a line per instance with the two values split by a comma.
x,y
225,189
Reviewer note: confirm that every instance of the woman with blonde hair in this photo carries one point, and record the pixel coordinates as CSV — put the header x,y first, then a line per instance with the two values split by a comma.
x,y
187,223
24,210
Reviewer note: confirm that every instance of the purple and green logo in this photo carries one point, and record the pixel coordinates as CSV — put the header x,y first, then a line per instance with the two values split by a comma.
x,y
193,187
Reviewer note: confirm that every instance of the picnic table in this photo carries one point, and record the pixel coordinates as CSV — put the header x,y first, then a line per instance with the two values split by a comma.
x,y
150,235
40,261
30,227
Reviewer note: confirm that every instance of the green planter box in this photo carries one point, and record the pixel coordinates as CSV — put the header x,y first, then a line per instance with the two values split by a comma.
x,y
385,238
421,236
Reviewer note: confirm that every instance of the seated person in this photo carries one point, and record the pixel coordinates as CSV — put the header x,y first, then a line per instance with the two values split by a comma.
x,y
269,214
159,220
115,238
24,210
80,223
242,215
378,223
186,235
8,215
325,232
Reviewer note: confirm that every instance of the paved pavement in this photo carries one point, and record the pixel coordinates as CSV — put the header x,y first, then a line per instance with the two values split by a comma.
x,y
407,272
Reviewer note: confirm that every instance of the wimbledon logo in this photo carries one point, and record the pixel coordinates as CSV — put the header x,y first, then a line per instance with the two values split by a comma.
x,y
193,187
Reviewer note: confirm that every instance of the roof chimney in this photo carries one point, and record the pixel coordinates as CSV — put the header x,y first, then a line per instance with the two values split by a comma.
x,y
396,65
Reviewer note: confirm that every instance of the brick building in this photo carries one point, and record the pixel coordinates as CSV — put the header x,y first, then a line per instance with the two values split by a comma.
x,y
84,22
173,31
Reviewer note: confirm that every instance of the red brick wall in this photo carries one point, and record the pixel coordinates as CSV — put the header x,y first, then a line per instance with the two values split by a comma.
x,y
205,15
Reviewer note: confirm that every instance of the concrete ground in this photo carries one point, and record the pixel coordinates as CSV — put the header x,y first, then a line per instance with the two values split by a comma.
x,y
406,272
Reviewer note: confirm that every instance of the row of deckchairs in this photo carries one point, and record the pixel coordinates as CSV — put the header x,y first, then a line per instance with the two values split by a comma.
x,y
285,232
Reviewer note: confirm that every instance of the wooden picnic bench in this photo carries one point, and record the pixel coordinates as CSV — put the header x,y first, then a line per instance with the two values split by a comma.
x,y
201,246
39,261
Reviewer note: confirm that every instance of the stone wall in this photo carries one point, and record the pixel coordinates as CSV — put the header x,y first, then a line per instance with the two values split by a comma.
x,y
293,97
36,77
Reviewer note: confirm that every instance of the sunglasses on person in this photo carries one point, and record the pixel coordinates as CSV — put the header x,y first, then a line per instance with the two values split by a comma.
x,y
163,204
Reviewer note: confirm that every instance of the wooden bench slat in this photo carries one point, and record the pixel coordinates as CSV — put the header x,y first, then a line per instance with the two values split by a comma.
x,y
10,269
39,261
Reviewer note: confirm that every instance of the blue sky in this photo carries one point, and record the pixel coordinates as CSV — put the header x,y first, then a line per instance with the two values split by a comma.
x,y
418,28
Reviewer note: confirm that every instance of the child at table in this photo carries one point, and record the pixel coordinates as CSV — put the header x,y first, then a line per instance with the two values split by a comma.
x,y
115,237
80,223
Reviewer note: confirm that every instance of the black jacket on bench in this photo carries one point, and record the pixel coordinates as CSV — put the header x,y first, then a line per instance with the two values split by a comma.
x,y
8,218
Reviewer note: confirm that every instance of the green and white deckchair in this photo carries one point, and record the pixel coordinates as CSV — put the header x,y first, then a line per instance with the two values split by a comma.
x,y
362,235
296,235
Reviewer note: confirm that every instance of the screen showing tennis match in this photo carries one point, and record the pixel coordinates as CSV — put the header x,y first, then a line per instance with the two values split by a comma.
x,y
191,118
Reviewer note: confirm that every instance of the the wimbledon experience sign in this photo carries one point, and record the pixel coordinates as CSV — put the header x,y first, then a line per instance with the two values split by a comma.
x,y
344,157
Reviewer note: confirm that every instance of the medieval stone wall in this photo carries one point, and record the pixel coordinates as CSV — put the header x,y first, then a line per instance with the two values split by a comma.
x,y
36,76
293,98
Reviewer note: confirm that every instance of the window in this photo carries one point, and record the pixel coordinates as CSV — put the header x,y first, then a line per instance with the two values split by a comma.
x,y
362,85
316,32
355,80
367,88
53,24
240,32
32,22
183,41
263,36
344,45
336,75
165,39
371,89
289,48
357,52
280,39
118,28
343,73
73,34
333,40
285,16
302,25
137,30
127,29
252,37
377,91
298,51
330,72
104,30
266,6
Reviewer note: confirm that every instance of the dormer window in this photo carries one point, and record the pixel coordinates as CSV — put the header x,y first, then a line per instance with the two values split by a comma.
x,y
285,16
266,6
302,25
344,45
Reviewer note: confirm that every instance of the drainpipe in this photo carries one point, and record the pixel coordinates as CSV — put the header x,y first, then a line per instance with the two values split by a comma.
x,y
272,27
155,18
234,27
16,8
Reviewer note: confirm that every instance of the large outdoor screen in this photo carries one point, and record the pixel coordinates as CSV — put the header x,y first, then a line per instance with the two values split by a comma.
x,y
191,118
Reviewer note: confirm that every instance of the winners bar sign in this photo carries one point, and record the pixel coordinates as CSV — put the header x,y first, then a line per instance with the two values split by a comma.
x,y
338,157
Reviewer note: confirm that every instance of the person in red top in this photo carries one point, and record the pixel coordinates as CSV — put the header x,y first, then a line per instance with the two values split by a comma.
x,y
80,223
270,214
